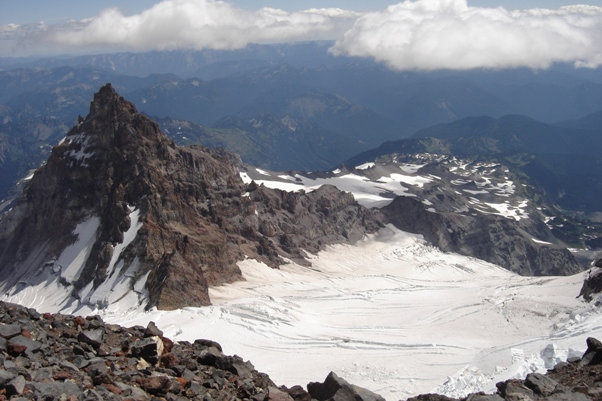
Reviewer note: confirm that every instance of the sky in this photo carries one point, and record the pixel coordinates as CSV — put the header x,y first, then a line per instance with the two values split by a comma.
x,y
404,35
32,11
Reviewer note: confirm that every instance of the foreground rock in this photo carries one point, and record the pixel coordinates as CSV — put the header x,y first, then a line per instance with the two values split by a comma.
x,y
54,356
335,388
59,357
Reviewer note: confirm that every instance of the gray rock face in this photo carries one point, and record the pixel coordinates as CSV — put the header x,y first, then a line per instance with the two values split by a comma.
x,y
488,237
92,337
9,330
592,285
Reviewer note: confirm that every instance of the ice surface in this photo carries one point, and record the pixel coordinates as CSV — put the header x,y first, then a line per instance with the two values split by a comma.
x,y
417,180
538,241
245,177
391,314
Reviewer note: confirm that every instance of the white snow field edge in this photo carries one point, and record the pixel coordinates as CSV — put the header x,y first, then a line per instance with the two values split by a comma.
x,y
391,314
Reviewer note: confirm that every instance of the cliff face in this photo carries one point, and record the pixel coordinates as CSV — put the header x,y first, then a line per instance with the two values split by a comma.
x,y
488,237
118,204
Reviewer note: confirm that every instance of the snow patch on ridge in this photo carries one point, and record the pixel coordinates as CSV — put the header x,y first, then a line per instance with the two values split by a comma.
x,y
73,258
118,284
365,166
376,184
82,154
51,288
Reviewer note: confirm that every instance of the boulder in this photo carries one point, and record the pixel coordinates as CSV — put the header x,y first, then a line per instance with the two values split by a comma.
x,y
540,384
152,330
16,386
92,337
593,353
9,330
338,389
592,285
149,348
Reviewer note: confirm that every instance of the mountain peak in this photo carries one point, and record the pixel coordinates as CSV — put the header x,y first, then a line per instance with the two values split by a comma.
x,y
120,212
107,103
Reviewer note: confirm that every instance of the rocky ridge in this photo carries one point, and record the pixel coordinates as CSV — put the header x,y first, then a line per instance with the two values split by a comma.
x,y
118,206
471,207
53,356
488,237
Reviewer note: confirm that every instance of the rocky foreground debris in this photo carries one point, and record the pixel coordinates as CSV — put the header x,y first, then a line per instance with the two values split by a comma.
x,y
61,357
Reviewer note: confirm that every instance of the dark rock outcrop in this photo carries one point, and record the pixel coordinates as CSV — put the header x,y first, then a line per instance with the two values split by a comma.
x,y
335,388
593,283
196,217
488,237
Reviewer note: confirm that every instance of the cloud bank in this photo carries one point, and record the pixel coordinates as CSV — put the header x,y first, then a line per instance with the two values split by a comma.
x,y
448,34
191,24
419,35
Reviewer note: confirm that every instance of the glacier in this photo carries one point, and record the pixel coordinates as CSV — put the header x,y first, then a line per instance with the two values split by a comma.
x,y
390,313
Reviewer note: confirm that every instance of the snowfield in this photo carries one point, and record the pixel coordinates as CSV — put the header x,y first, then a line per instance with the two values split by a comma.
x,y
391,314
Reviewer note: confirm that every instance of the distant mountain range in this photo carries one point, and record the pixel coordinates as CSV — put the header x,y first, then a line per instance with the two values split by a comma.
x,y
297,107
564,159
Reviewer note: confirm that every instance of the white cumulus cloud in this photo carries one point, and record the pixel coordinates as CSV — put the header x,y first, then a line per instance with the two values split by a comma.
x,y
414,34
449,34
194,24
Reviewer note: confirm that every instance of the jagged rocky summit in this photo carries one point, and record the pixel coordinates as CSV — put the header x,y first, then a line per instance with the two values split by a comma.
x,y
119,209
56,357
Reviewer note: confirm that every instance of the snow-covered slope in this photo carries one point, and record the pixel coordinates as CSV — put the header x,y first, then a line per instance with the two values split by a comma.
x,y
392,314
